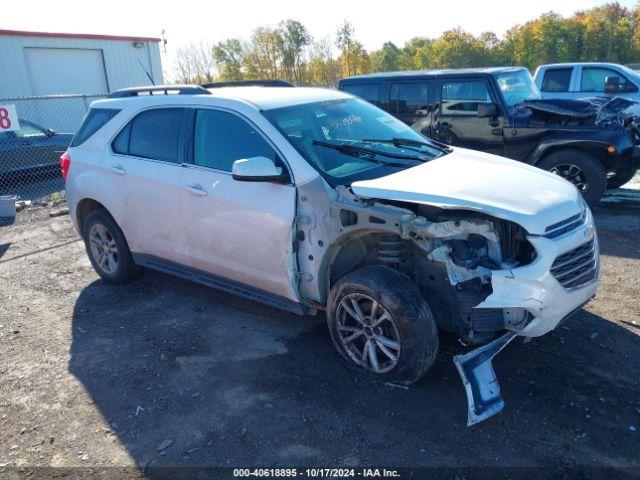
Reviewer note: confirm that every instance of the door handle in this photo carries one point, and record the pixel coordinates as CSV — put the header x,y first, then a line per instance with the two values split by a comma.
x,y
118,169
196,190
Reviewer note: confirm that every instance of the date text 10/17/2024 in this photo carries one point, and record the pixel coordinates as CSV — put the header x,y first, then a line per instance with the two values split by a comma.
x,y
316,472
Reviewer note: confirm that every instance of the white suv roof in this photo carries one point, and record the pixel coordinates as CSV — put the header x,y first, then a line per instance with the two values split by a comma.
x,y
261,98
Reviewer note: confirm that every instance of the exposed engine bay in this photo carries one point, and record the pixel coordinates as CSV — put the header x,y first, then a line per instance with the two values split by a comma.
x,y
450,254
604,112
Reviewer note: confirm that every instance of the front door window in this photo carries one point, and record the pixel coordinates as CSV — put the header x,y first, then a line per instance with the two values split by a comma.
x,y
462,98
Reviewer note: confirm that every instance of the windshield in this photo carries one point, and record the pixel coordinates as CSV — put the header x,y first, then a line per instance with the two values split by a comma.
x,y
632,73
349,139
517,86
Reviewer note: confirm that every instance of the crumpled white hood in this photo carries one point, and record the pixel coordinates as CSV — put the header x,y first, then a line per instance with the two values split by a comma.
x,y
471,180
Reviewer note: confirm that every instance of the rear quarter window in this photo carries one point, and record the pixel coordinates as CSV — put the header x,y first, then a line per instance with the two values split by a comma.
x,y
94,121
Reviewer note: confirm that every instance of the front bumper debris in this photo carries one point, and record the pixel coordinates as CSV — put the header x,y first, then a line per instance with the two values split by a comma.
x,y
479,379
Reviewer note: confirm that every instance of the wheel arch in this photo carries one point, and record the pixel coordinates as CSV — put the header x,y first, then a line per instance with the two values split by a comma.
x,y
597,149
354,250
85,207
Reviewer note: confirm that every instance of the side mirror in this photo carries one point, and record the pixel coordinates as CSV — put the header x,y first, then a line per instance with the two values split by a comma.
x,y
49,132
612,84
257,169
487,110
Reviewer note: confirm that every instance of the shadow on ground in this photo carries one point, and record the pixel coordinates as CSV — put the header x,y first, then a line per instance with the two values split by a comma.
x,y
618,231
191,377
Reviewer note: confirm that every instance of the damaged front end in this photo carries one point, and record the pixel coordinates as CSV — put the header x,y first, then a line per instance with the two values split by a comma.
x,y
599,113
486,278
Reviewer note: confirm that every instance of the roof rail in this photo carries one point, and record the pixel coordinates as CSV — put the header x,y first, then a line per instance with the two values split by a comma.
x,y
248,83
160,90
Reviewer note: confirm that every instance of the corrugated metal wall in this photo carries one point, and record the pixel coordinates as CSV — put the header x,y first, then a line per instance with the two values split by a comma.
x,y
120,58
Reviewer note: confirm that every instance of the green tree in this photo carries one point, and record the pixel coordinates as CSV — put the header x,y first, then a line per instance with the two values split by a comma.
x,y
354,58
264,55
387,59
344,41
293,38
609,33
323,68
456,49
229,56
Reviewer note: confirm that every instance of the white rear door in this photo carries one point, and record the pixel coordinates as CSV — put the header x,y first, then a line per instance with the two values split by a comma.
x,y
144,168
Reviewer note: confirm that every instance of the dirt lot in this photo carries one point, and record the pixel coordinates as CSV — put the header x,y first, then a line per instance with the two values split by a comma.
x,y
167,373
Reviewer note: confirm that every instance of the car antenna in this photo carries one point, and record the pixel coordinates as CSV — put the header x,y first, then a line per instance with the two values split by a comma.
x,y
145,71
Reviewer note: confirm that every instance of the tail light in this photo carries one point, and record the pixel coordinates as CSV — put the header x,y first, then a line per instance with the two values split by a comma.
x,y
65,163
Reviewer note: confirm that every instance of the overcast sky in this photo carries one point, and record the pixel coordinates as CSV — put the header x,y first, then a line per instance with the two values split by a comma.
x,y
184,21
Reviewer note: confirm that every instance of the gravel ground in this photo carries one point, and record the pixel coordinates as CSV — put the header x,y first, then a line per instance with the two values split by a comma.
x,y
166,373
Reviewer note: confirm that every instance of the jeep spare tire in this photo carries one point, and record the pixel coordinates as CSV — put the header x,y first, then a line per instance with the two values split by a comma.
x,y
380,322
579,168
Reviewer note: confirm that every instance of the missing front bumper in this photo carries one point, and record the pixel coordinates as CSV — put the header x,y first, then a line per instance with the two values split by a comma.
x,y
479,379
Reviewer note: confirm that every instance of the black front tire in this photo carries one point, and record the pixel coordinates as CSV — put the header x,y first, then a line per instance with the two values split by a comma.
x,y
412,319
126,270
621,177
592,176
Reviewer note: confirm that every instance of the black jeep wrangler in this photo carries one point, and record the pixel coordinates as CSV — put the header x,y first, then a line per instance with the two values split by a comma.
x,y
594,143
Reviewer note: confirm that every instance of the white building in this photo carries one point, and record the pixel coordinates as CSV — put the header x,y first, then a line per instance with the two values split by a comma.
x,y
36,63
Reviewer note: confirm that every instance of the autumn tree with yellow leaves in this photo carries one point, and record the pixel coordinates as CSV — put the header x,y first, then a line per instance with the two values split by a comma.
x,y
609,33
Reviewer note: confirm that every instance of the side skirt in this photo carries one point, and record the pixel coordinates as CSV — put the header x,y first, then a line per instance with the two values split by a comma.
x,y
219,283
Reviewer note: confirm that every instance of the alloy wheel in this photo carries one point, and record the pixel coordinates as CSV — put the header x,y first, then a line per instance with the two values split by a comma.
x,y
103,248
573,174
368,333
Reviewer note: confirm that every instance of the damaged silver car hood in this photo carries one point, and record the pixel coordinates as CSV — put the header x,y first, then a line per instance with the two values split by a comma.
x,y
470,180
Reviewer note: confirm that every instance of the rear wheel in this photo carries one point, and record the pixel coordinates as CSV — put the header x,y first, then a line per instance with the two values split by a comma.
x,y
620,177
108,249
379,322
579,168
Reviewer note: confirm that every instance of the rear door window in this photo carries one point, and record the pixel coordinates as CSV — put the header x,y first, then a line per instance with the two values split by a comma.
x,y
557,80
121,143
366,91
409,97
463,97
94,121
153,134
221,138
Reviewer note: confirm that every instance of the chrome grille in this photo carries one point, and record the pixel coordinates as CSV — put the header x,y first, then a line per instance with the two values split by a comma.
x,y
577,267
566,225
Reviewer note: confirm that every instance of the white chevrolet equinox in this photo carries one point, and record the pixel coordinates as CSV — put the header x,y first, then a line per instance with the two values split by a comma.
x,y
309,199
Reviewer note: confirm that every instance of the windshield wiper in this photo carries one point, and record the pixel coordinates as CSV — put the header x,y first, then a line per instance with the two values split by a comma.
x,y
399,142
350,149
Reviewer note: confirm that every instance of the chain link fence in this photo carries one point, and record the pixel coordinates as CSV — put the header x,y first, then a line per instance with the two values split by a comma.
x,y
29,156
